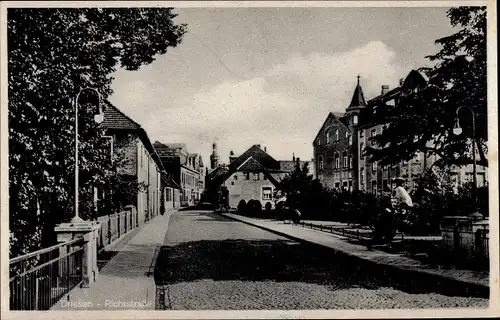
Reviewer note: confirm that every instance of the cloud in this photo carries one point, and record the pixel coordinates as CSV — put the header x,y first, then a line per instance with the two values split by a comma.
x,y
282,108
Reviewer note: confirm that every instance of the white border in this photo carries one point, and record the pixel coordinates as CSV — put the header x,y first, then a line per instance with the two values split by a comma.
x,y
492,157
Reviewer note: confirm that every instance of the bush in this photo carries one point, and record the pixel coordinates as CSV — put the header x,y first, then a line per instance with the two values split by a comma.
x,y
255,208
269,207
242,206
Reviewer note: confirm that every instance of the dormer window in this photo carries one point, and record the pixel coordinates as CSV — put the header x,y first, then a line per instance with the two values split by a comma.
x,y
337,135
328,137
355,119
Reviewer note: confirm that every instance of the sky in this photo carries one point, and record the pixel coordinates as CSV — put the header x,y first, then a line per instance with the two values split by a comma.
x,y
270,76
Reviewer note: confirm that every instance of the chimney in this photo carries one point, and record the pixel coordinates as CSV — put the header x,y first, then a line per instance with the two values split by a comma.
x,y
385,88
293,157
258,145
265,149
298,162
401,81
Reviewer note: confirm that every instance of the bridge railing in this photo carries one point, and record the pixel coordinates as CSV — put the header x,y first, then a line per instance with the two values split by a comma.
x,y
39,279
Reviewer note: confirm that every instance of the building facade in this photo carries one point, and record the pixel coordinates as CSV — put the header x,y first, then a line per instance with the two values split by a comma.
x,y
335,151
186,168
253,175
139,161
340,145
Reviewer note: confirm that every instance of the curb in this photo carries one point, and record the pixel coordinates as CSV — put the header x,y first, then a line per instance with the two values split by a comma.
x,y
412,280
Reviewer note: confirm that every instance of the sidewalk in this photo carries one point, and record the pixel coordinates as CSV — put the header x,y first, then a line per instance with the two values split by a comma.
x,y
126,282
466,281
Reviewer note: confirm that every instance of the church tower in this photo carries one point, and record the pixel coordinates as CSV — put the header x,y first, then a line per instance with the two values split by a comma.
x,y
214,157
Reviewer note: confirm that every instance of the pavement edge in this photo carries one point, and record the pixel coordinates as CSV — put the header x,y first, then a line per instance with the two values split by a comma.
x,y
410,278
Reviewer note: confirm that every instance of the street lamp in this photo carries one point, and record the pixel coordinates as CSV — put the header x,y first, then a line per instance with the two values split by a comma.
x,y
97,118
457,130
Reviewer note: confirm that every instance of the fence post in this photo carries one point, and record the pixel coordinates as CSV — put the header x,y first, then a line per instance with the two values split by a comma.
x,y
37,293
88,231
118,225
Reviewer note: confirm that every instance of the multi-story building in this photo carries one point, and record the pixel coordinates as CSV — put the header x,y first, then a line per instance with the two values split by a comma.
x,y
139,161
186,168
339,147
335,151
253,175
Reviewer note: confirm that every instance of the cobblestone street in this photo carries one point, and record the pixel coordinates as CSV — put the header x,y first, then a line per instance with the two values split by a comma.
x,y
210,262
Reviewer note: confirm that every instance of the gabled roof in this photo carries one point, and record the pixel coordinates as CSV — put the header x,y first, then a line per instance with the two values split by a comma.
x,y
342,120
250,165
268,162
287,165
116,119
169,181
175,145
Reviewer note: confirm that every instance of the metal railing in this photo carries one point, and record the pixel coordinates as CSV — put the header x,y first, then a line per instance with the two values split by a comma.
x,y
472,245
41,278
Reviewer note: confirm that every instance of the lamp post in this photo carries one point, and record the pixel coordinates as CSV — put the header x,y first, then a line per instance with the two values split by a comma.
x,y
457,130
97,118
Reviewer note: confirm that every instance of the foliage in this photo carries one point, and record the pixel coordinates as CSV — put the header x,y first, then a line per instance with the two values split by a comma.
x,y
434,197
423,121
52,55
242,206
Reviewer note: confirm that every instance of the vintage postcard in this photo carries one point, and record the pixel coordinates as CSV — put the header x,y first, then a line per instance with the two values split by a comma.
x,y
249,159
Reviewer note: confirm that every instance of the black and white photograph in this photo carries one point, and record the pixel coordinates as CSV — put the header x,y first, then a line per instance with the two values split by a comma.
x,y
239,157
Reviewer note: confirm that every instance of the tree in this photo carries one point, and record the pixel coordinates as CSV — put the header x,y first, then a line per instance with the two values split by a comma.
x,y
301,189
52,55
423,121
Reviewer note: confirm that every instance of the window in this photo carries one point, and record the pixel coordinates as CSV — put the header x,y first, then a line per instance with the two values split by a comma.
x,y
337,160
267,193
344,185
361,150
350,162
350,185
232,183
362,133
374,166
373,132
337,135
374,187
235,177
346,163
328,137
337,185
255,176
362,175
350,140
384,128
346,134
320,163
355,119
140,154
247,175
